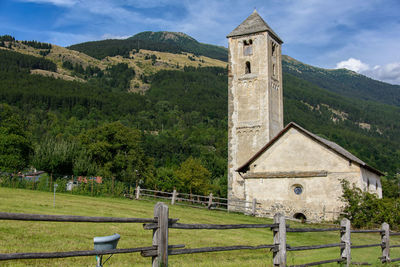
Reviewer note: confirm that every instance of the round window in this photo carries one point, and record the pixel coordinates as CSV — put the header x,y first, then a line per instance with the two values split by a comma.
x,y
298,189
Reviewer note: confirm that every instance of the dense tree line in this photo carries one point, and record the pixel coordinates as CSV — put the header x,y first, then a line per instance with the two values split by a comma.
x,y
78,69
66,118
177,130
150,41
105,48
7,38
37,45
14,62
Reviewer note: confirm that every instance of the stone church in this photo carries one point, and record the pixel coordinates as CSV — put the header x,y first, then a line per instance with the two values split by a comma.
x,y
286,169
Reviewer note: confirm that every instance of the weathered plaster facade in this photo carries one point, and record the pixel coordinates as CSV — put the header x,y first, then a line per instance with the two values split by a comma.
x,y
255,94
297,160
289,170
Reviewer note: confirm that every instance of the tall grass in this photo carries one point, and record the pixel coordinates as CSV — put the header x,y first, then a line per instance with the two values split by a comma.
x,y
21,236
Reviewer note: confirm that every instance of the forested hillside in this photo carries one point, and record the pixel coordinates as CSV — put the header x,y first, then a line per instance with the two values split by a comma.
x,y
344,82
175,131
159,41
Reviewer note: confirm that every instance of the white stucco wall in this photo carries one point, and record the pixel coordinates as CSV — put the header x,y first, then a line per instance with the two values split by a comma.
x,y
371,182
297,152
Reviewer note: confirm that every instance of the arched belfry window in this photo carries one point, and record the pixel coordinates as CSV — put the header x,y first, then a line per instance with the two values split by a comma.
x,y
248,68
248,47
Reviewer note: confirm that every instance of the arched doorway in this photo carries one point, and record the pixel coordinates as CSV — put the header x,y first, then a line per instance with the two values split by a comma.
x,y
300,216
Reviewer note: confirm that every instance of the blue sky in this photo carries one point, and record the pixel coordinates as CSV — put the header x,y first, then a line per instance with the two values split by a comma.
x,y
361,35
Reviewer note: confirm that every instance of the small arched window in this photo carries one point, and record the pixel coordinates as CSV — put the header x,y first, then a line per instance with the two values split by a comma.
x,y
248,47
376,185
368,184
248,68
300,216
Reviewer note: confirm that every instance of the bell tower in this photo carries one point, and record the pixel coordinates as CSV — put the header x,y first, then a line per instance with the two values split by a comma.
x,y
255,99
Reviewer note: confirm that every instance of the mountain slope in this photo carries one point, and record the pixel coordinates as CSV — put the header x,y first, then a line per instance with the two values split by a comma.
x,y
341,81
185,42
74,65
344,82
158,41
184,111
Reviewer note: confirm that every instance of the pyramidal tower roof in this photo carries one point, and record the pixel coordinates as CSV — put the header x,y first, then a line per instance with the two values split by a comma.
x,y
253,24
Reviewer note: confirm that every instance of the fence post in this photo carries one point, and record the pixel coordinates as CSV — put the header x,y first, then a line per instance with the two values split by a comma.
x,y
160,235
253,210
173,197
280,240
345,251
137,192
210,200
385,237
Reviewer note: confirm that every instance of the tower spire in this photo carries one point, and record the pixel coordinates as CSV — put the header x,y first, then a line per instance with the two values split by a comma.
x,y
254,24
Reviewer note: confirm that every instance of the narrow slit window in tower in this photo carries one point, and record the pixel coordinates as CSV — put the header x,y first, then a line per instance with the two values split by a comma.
x,y
273,49
248,68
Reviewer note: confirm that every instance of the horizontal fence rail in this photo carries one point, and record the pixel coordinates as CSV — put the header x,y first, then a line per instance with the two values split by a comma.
x,y
206,249
304,230
367,231
52,255
80,253
367,246
289,248
161,249
319,263
211,226
70,218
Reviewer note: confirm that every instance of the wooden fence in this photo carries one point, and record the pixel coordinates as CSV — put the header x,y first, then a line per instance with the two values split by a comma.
x,y
200,201
252,207
160,249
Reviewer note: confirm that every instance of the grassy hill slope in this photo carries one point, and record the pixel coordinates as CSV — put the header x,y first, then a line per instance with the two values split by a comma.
x,y
21,236
143,62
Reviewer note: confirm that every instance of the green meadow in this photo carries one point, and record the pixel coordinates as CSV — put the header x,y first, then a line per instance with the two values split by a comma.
x,y
25,236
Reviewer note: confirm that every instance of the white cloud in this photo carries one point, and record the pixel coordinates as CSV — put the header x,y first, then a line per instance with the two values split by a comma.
x,y
353,64
67,3
113,36
65,39
316,32
389,73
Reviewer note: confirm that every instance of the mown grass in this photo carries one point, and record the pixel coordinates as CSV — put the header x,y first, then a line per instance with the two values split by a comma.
x,y
20,236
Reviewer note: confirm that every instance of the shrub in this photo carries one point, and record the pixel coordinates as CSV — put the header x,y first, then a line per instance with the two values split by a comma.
x,y
364,209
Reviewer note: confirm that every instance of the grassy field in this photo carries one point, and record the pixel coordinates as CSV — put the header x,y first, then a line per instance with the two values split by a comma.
x,y
19,236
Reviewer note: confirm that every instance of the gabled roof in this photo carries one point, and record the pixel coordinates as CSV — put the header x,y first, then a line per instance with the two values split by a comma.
x,y
253,24
331,145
